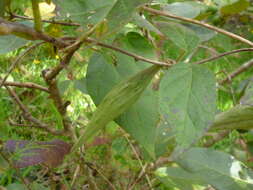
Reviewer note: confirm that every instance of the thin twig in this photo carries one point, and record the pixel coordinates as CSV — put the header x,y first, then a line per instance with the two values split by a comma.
x,y
93,167
47,21
142,166
136,57
192,21
28,116
25,85
17,60
222,55
238,71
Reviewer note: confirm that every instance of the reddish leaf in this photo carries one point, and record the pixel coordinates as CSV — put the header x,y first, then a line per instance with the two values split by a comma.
x,y
26,153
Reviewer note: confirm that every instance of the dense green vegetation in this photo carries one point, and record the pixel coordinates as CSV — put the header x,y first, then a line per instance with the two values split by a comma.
x,y
126,95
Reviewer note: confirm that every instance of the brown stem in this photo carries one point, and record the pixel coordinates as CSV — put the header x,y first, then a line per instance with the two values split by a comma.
x,y
28,116
137,57
238,71
222,55
23,31
25,85
192,21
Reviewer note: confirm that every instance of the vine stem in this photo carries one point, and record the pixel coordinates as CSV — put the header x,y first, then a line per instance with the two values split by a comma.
x,y
192,21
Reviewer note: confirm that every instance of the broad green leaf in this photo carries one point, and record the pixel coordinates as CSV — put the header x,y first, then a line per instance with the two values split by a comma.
x,y
104,72
188,101
116,13
85,11
165,141
235,7
180,35
141,118
101,77
9,43
178,177
185,9
218,169
203,34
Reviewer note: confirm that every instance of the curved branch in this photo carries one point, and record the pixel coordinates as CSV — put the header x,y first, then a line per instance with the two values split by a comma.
x,y
216,29
23,31
135,56
223,54
25,85
238,71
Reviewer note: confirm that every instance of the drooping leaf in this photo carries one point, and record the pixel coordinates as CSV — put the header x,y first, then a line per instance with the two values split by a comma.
x,y
117,101
103,73
180,35
238,117
218,169
9,43
27,153
188,101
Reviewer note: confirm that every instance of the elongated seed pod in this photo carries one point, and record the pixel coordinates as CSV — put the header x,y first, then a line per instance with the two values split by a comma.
x,y
117,101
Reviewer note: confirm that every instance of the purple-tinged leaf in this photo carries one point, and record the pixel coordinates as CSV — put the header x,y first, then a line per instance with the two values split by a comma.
x,y
27,153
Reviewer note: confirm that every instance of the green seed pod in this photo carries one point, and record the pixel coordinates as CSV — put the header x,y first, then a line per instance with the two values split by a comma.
x,y
117,101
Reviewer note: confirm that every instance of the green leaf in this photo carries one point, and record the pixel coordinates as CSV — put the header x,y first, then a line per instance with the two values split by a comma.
x,y
121,13
9,43
185,9
116,13
140,119
188,101
238,117
218,169
101,77
177,177
203,34
180,35
85,11
136,43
